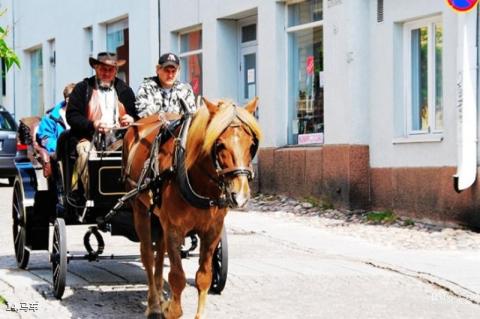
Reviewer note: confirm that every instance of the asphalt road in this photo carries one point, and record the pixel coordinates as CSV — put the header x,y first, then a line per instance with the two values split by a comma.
x,y
280,266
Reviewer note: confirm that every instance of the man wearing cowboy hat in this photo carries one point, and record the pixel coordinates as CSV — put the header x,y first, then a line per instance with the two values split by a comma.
x,y
98,104
162,93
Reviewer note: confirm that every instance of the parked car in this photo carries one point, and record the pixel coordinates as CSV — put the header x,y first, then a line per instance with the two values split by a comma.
x,y
8,145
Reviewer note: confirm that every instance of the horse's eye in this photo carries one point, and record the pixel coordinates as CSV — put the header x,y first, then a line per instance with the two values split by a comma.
x,y
219,146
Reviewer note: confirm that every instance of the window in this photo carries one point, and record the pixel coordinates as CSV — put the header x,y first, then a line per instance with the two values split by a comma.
x,y
36,82
423,81
191,59
7,123
305,12
117,42
249,33
306,75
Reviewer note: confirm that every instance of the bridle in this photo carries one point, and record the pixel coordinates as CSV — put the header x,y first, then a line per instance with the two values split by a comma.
x,y
229,172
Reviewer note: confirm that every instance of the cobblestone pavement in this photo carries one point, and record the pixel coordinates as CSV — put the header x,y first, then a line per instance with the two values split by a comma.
x,y
394,231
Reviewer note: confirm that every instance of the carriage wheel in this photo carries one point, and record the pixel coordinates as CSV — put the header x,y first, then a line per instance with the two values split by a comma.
x,y
220,265
58,257
22,254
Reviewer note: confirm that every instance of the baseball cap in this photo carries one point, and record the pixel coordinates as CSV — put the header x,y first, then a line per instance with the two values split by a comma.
x,y
169,59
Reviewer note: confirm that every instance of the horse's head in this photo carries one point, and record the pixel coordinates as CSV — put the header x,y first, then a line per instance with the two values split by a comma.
x,y
231,141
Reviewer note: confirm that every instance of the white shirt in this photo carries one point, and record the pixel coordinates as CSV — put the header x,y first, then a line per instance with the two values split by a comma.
x,y
107,105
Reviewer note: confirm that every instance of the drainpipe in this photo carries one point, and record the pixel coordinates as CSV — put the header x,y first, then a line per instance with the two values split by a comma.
x,y
466,101
159,29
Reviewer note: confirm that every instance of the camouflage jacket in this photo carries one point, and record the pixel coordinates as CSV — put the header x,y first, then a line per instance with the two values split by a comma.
x,y
151,99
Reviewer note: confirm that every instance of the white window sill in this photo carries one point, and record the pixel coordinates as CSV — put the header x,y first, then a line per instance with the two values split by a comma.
x,y
421,138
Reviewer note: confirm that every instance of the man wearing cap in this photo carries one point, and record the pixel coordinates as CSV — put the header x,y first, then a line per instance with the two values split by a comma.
x,y
162,93
98,104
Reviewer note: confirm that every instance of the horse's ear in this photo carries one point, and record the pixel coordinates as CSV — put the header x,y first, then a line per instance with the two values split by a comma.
x,y
252,105
212,108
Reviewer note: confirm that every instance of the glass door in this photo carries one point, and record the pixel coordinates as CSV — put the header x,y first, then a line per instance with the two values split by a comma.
x,y
248,70
247,34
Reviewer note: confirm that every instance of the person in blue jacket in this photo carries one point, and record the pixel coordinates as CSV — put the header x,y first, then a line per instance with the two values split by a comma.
x,y
54,122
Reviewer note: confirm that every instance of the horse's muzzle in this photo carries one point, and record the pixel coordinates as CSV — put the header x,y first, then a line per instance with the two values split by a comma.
x,y
238,191
238,200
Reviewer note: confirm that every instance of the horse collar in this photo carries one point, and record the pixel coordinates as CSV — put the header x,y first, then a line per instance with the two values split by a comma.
x,y
186,189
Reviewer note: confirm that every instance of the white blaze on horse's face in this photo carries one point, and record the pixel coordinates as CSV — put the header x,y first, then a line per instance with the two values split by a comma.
x,y
233,151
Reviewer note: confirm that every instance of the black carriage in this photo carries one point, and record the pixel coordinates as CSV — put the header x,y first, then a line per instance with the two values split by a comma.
x,y
41,198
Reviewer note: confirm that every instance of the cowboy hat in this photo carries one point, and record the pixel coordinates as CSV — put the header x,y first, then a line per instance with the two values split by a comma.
x,y
107,58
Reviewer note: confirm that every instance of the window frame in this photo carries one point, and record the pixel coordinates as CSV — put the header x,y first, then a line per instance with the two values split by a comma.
x,y
430,23
186,54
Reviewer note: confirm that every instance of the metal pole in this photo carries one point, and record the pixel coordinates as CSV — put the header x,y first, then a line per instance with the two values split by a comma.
x,y
14,70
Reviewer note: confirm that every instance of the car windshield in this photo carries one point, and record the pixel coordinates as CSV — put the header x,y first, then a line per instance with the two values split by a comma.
x,y
7,123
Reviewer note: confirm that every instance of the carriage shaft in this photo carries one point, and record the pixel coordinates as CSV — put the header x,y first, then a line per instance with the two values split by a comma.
x,y
104,257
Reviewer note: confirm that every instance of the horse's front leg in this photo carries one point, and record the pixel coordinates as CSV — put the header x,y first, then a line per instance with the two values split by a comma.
x,y
176,277
141,221
203,278
159,260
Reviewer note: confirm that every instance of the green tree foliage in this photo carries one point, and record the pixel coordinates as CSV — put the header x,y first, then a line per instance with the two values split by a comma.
x,y
6,53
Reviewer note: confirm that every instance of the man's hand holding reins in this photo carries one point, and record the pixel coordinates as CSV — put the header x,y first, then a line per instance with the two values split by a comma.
x,y
100,126
126,120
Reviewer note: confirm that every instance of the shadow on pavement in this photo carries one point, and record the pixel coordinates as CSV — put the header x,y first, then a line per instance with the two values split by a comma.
x,y
104,289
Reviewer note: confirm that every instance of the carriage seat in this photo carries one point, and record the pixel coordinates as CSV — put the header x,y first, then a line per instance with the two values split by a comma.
x,y
27,132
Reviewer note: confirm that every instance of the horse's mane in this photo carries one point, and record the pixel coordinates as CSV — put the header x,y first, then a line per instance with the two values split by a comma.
x,y
204,130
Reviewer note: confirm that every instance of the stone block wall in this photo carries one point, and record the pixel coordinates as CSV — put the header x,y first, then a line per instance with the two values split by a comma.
x,y
341,174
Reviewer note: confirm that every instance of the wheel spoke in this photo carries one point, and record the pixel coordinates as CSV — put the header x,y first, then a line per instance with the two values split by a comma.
x,y
17,249
19,246
55,273
17,238
15,208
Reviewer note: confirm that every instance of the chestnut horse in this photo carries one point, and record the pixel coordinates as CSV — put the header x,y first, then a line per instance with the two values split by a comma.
x,y
216,168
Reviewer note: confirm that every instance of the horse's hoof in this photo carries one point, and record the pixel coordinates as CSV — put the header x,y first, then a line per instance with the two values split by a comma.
x,y
154,312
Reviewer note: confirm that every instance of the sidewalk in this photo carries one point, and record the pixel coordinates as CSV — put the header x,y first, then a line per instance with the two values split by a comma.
x,y
446,266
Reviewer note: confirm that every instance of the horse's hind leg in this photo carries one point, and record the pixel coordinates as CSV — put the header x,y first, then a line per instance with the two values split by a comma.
x,y
141,220
203,278
176,276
